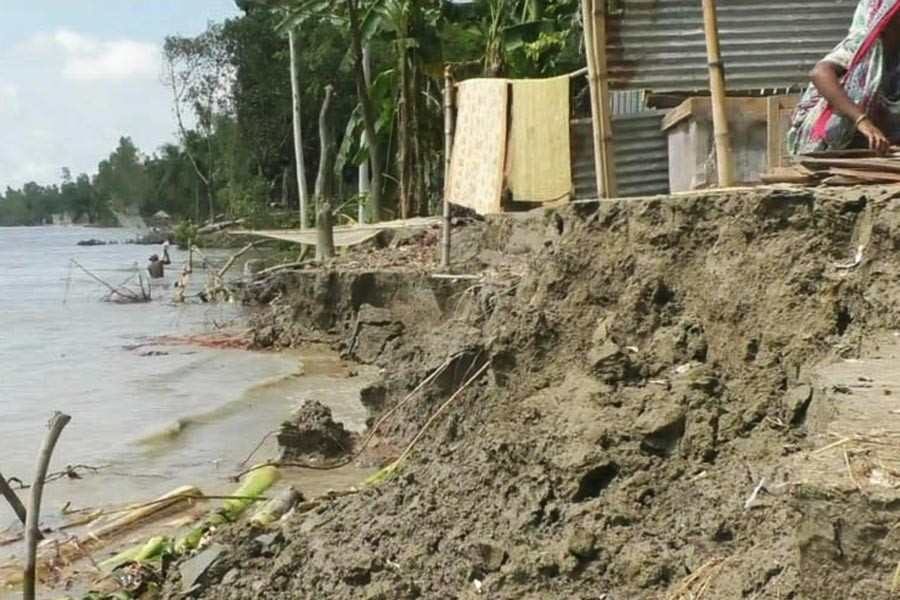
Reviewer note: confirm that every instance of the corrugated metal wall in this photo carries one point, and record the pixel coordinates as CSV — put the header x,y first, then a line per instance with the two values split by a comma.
x,y
659,45
642,156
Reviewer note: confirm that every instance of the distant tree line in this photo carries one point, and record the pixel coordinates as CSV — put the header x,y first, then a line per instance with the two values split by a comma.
x,y
231,93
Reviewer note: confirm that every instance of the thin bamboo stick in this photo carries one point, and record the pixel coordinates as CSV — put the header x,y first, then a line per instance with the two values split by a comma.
x,y
449,127
724,159
587,19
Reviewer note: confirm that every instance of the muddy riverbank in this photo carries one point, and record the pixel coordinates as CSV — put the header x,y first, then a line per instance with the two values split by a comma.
x,y
652,420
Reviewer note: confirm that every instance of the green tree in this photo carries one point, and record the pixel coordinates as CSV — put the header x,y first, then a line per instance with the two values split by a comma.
x,y
121,179
199,72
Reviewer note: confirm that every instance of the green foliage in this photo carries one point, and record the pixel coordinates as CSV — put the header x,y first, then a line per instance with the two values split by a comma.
x,y
232,98
121,179
186,233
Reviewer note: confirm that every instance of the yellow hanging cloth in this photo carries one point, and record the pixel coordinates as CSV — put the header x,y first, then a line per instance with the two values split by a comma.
x,y
540,164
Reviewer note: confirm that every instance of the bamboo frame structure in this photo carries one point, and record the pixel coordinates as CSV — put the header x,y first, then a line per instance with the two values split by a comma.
x,y
449,127
594,17
724,157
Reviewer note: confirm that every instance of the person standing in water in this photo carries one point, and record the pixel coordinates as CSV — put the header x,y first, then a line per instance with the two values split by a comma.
x,y
854,98
156,268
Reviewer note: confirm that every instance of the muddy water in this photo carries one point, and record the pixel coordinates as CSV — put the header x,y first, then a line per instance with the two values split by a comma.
x,y
154,417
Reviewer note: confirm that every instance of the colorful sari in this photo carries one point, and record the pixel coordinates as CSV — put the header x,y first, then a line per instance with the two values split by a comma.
x,y
815,124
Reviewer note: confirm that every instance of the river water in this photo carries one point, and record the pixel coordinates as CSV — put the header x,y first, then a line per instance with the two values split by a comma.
x,y
155,417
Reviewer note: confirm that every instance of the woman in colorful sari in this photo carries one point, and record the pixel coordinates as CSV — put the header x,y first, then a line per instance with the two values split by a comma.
x,y
854,98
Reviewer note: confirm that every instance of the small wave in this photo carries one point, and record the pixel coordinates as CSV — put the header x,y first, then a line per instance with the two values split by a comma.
x,y
173,431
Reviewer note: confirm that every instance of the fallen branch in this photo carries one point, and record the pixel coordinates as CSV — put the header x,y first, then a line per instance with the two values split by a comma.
x,y
70,472
285,267
13,499
230,262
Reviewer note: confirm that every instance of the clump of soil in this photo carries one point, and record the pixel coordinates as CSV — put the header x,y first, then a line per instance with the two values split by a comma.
x,y
312,434
642,430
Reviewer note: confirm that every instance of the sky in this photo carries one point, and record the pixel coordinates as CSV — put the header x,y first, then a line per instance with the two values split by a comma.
x,y
76,75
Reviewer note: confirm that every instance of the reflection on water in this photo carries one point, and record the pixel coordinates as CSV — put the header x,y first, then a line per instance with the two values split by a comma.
x,y
158,417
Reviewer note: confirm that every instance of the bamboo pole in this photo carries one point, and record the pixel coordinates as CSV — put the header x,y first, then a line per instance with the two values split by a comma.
x,y
724,159
449,127
593,13
598,29
57,423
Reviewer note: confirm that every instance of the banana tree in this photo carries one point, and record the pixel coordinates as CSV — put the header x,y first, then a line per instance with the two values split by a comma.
x,y
522,38
411,29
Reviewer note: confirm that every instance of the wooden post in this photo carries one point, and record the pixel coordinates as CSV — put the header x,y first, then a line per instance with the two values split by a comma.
x,y
298,132
449,127
593,14
32,528
724,160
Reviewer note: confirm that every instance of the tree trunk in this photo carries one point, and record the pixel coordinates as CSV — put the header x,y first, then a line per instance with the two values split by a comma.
x,y
325,180
421,206
286,186
364,178
298,133
368,112
404,141
210,192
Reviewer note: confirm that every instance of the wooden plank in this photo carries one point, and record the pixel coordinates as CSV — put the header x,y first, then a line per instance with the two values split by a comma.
x,y
866,175
863,164
788,175
748,109
678,114
852,153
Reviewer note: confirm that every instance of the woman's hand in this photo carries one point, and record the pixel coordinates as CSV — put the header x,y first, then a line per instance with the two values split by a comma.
x,y
877,140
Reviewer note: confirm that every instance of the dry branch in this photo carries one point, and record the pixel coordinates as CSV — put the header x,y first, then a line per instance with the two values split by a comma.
x,y
57,423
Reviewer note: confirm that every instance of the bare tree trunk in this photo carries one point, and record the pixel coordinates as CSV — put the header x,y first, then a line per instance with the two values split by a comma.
x,y
176,99
421,205
298,133
325,180
368,111
210,192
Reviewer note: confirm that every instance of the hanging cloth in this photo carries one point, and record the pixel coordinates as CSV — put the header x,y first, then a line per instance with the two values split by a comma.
x,y
540,162
478,161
